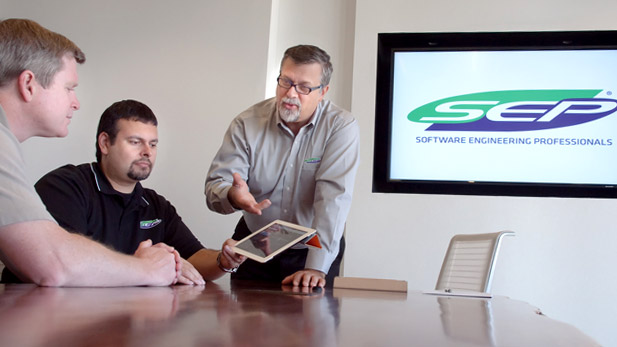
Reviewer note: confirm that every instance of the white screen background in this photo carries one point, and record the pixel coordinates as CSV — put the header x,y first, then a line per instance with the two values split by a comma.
x,y
423,77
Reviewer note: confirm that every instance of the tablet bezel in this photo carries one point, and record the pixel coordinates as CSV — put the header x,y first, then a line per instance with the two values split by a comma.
x,y
262,259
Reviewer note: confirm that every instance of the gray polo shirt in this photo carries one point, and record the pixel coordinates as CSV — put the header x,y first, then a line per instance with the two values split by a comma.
x,y
309,178
18,200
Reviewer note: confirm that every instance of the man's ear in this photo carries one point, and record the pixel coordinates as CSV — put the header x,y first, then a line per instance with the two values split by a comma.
x,y
324,90
104,142
27,85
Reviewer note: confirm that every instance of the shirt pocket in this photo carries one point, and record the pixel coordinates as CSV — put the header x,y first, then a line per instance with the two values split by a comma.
x,y
308,177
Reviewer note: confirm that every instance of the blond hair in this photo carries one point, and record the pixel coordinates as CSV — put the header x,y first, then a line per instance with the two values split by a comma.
x,y
26,45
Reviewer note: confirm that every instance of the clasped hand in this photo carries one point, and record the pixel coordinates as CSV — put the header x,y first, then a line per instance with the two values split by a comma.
x,y
163,260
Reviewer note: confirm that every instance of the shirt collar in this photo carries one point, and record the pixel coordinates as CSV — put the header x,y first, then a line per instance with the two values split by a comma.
x,y
105,187
312,121
3,119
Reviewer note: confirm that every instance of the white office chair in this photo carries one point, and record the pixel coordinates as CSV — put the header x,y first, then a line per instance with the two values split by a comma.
x,y
469,262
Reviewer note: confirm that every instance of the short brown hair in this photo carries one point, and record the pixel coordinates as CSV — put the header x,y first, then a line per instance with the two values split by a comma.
x,y
26,45
126,109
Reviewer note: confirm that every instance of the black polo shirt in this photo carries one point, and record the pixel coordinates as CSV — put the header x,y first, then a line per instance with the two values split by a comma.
x,y
82,200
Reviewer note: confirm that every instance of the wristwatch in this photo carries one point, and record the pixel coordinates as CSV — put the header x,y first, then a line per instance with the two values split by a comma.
x,y
218,262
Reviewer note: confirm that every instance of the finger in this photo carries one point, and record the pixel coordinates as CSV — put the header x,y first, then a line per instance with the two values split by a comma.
x,y
297,278
227,250
145,244
233,257
306,280
318,281
184,280
164,246
253,209
264,204
226,254
229,243
178,261
287,280
192,275
239,259
230,261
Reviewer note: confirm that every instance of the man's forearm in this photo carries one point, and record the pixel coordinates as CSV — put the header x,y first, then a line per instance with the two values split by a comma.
x,y
59,258
204,261
107,268
216,197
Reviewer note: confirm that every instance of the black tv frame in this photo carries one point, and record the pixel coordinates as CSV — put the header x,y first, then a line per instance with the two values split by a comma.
x,y
389,43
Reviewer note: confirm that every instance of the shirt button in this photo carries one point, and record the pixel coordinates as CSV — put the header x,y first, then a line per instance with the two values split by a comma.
x,y
287,188
291,165
284,210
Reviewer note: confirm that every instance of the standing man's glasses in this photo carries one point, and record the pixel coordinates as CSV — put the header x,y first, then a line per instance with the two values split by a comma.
x,y
300,88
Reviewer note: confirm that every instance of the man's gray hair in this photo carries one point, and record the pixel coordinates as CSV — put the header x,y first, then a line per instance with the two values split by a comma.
x,y
308,54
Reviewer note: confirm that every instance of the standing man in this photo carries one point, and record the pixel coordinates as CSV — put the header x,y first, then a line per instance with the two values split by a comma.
x,y
293,157
105,201
38,76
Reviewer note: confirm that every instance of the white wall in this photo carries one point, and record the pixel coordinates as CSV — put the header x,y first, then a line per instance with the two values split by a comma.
x,y
561,257
326,24
199,63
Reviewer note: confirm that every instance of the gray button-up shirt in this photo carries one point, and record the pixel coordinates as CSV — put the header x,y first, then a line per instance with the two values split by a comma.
x,y
309,177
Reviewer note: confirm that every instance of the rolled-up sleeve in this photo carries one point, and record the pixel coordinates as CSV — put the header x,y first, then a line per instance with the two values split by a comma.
x,y
232,157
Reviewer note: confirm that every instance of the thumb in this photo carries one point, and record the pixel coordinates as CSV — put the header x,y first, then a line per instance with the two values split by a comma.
x,y
238,181
145,244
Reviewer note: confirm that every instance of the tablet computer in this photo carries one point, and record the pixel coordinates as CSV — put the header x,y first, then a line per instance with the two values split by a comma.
x,y
265,243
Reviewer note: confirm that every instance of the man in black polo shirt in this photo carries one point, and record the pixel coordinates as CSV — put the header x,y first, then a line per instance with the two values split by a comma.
x,y
106,202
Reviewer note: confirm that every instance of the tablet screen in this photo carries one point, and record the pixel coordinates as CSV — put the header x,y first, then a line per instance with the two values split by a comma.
x,y
274,238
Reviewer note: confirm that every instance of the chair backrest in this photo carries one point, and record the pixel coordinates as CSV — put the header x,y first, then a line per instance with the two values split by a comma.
x,y
470,261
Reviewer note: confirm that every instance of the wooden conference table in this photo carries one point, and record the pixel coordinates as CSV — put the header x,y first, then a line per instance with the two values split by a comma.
x,y
251,314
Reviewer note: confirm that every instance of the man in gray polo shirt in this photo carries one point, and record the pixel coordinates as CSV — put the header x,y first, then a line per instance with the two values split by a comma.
x,y
293,157
38,76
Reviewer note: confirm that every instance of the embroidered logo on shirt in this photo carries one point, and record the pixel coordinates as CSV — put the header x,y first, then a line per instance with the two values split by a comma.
x,y
148,224
312,160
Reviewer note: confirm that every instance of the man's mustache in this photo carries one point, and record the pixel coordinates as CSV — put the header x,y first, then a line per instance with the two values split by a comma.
x,y
292,101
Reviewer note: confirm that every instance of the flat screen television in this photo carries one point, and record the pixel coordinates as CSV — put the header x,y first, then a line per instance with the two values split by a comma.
x,y
504,113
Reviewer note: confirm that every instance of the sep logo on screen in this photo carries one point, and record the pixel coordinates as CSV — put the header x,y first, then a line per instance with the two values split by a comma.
x,y
514,110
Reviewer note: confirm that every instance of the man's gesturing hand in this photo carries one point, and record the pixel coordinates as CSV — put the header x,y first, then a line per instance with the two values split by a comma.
x,y
241,198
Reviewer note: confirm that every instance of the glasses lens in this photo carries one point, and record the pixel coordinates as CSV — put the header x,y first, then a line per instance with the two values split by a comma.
x,y
303,89
285,83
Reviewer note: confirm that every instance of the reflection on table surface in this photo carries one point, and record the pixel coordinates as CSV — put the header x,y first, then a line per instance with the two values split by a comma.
x,y
257,314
